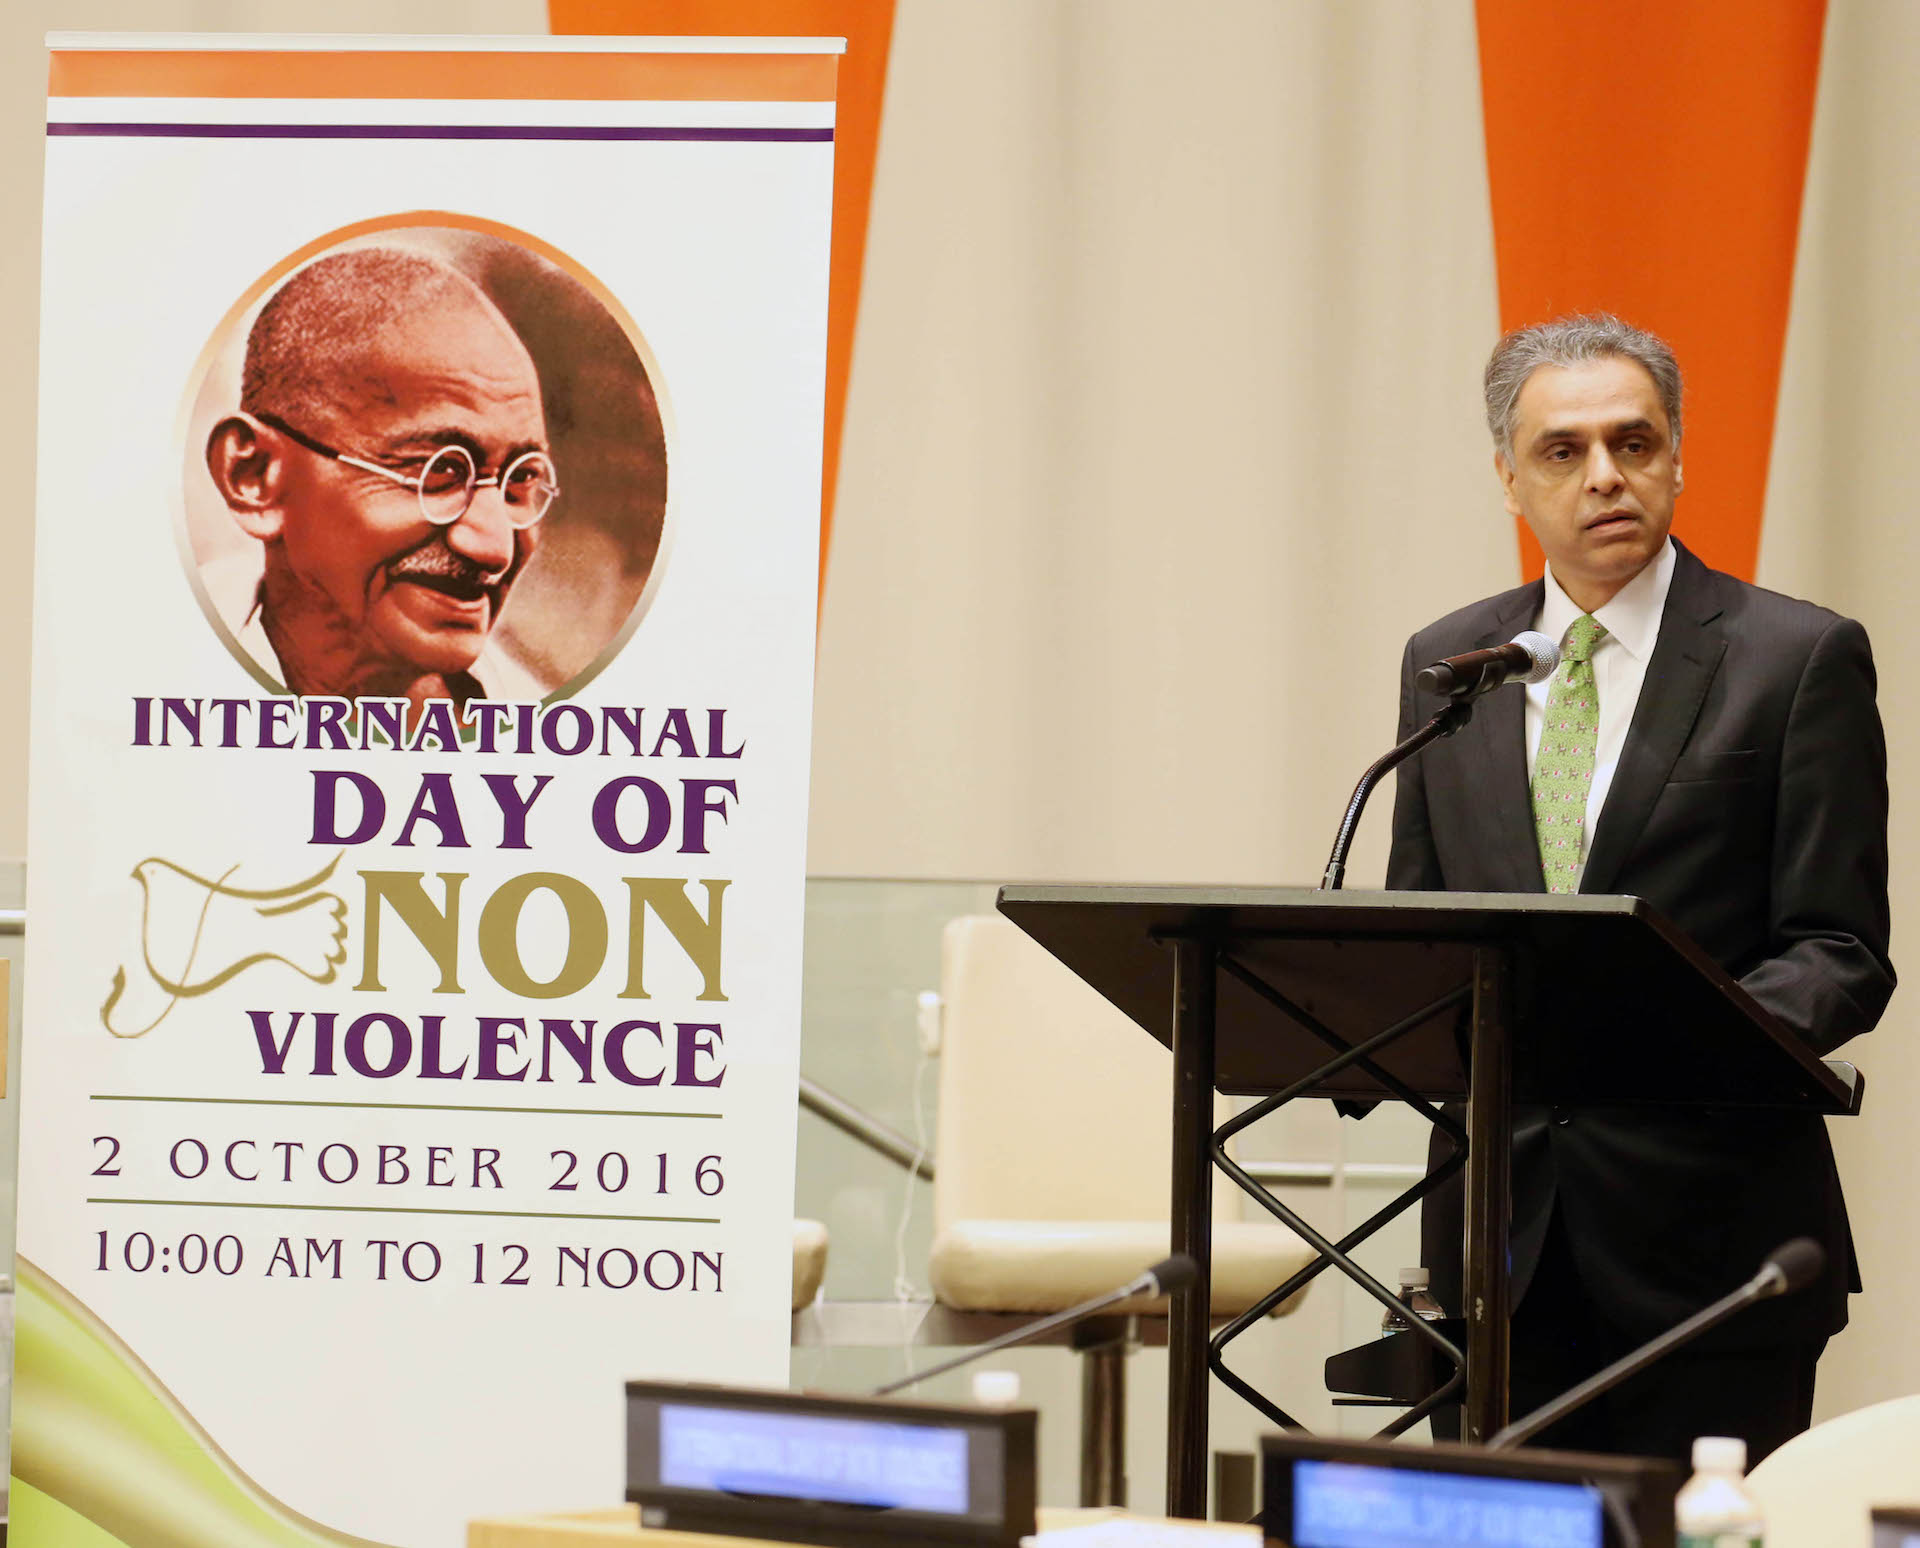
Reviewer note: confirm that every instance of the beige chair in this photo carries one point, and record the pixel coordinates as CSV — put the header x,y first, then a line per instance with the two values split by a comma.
x,y
1055,1157
809,1261
1818,1488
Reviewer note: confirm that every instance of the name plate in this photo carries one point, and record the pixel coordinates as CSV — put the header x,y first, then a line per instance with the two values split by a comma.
x,y
809,1468
1325,1493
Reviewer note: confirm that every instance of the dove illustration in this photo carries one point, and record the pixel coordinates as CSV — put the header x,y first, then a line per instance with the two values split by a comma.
x,y
197,933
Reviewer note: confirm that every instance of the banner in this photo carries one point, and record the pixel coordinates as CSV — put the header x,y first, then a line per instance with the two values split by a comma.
x,y
428,517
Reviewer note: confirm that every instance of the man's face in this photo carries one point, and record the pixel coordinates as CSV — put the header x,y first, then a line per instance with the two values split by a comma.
x,y
1593,473
371,571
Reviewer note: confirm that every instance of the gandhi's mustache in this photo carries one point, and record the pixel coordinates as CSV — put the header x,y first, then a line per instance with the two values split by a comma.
x,y
438,567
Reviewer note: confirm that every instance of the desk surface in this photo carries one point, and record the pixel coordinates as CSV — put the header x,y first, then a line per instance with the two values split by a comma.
x,y
619,1527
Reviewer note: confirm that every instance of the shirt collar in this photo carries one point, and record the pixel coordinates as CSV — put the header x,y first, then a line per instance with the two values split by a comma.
x,y
1633,615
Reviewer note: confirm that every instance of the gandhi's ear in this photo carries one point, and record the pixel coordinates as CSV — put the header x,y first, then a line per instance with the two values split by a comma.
x,y
1503,466
249,468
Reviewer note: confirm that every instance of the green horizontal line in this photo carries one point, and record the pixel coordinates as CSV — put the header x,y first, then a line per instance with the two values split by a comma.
x,y
412,1107
400,1209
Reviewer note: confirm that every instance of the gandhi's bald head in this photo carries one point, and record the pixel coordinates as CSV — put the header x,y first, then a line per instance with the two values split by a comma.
x,y
309,345
367,360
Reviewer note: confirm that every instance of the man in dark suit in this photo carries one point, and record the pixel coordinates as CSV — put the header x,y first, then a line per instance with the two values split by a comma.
x,y
1715,749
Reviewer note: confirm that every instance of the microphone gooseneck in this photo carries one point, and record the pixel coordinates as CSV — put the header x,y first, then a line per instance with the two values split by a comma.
x,y
1166,1277
1529,657
1792,1266
1453,715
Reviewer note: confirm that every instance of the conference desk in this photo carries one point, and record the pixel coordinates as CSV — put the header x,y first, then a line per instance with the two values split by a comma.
x,y
619,1527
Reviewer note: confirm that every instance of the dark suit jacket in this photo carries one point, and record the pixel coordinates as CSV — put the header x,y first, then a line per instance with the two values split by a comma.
x,y
1750,807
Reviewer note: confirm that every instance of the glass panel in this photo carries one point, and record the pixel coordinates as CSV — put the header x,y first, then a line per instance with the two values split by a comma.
x,y
872,948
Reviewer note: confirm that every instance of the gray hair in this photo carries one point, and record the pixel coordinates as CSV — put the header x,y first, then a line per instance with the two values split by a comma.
x,y
1569,341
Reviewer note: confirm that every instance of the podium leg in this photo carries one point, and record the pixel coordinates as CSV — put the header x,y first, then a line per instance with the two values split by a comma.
x,y
1195,962
1489,1199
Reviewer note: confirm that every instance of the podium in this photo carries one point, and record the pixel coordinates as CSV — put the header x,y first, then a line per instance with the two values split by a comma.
x,y
1486,999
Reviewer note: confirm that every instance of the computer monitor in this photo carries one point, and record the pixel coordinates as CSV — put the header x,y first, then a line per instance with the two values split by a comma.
x,y
1322,1492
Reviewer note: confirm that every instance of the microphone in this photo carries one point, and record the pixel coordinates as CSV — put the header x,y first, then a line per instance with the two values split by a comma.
x,y
1529,657
1791,1267
1163,1278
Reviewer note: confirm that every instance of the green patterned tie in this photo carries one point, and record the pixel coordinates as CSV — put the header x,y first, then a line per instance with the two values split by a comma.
x,y
1563,771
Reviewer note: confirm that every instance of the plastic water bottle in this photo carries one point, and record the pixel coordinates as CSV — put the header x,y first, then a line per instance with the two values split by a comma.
x,y
1716,1509
1416,1300
996,1389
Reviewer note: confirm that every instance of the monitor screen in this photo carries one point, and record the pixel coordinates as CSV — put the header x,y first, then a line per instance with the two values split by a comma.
x,y
814,1457
1356,1505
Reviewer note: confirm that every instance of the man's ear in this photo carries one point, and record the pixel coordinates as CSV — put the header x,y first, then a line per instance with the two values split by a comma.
x,y
1503,467
249,471
1679,477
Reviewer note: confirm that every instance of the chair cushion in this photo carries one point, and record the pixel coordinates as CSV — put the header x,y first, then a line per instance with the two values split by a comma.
x,y
1818,1488
1018,1137
809,1261
1047,1265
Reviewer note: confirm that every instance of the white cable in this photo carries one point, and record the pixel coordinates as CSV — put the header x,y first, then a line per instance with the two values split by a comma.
x,y
904,1290
903,1287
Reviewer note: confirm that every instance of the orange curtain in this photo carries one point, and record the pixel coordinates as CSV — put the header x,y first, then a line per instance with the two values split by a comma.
x,y
1647,158
867,25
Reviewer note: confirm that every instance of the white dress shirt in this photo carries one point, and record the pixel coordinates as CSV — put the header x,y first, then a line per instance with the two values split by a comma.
x,y
1632,622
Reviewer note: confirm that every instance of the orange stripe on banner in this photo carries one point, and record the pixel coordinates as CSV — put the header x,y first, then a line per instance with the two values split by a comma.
x,y
867,25
1647,158
378,74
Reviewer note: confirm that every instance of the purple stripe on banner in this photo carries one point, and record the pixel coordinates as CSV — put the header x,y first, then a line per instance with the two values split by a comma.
x,y
428,132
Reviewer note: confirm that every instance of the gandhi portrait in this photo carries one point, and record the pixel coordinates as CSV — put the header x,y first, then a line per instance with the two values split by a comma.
x,y
425,463
389,455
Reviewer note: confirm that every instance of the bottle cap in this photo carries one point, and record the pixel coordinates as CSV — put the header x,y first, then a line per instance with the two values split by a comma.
x,y
1001,1389
1415,1279
1719,1454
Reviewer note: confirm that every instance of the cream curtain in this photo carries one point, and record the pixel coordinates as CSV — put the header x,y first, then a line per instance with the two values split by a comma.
x,y
1162,436
1841,528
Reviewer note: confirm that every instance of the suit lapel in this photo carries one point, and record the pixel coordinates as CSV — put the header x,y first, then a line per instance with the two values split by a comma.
x,y
1685,659
1496,741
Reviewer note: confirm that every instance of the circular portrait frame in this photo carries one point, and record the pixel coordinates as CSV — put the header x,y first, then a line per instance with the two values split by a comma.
x,y
613,449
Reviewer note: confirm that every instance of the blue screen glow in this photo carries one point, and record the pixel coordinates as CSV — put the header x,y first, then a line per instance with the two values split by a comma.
x,y
814,1457
1349,1505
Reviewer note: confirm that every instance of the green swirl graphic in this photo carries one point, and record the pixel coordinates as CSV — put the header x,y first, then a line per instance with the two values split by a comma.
x,y
105,1457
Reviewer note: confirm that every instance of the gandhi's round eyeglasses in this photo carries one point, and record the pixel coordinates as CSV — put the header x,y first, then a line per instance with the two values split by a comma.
x,y
445,485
